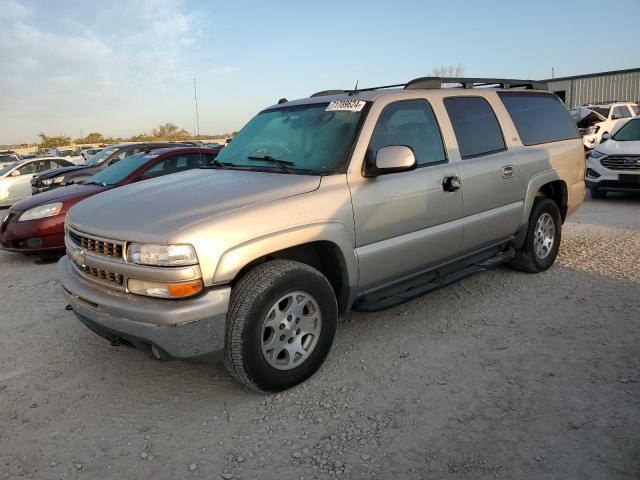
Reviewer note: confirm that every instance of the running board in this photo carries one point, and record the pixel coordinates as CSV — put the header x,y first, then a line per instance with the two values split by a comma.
x,y
429,281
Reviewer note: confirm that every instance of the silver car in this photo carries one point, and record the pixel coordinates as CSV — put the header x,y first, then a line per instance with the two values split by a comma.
x,y
614,166
343,200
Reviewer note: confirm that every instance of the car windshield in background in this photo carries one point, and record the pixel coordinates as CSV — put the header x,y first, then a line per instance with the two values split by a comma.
x,y
7,168
629,132
313,138
604,111
100,156
121,170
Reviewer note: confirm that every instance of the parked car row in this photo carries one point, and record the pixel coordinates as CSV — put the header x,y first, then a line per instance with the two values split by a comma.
x,y
36,224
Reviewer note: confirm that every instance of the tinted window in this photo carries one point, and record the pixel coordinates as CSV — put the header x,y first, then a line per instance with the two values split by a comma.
x,y
539,117
475,126
635,109
176,164
412,124
621,112
42,166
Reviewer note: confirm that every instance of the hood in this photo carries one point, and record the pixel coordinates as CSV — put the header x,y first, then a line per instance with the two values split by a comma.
x,y
585,117
57,171
152,210
611,147
57,195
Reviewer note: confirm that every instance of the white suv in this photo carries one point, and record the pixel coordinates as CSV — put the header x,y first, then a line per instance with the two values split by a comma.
x,y
599,120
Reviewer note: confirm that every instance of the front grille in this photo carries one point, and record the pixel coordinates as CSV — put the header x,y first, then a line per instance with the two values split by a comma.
x,y
621,162
104,248
102,274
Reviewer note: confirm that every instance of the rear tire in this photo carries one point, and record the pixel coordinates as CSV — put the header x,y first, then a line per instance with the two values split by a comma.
x,y
542,242
597,194
279,298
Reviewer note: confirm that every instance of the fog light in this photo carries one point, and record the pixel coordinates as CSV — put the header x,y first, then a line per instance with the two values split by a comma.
x,y
592,173
165,290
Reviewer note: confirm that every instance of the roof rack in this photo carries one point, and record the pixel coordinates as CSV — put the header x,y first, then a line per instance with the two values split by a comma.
x,y
445,82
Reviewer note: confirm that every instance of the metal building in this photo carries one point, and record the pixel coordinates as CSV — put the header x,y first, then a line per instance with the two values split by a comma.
x,y
620,85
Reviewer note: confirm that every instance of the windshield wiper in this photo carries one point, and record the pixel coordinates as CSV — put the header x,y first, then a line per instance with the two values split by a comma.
x,y
96,183
282,164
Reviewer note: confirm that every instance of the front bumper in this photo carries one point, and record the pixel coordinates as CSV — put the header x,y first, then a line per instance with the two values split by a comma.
x,y
44,235
610,180
180,328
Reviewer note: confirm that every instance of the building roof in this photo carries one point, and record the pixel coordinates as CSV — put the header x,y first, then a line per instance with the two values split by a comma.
x,y
600,74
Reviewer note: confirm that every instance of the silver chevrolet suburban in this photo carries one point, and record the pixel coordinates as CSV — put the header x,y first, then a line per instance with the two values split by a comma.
x,y
357,199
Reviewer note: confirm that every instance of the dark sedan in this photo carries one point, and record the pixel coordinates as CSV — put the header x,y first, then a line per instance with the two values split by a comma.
x,y
36,224
103,159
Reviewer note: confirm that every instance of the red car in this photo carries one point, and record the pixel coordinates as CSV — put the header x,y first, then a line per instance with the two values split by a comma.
x,y
36,224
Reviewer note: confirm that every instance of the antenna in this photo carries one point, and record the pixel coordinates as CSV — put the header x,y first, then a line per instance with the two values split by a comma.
x,y
355,89
195,96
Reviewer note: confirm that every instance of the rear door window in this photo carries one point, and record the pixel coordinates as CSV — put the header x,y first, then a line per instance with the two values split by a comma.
x,y
539,117
178,163
410,123
475,125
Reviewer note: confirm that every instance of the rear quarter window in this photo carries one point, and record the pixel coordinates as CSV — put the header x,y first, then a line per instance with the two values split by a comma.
x,y
539,117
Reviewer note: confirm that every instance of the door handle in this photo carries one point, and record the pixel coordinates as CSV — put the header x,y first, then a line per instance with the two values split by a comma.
x,y
451,183
508,171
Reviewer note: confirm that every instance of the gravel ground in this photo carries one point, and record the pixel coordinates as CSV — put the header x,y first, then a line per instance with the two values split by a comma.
x,y
503,375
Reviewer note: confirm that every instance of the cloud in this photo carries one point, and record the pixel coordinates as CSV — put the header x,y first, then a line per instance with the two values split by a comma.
x,y
62,72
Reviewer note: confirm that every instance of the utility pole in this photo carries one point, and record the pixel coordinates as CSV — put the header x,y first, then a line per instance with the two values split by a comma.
x,y
195,96
553,72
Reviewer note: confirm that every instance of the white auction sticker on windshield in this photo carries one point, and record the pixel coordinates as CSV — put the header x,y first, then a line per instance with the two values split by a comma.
x,y
345,106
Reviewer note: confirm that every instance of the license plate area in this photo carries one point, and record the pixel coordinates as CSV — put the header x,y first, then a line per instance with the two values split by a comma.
x,y
626,178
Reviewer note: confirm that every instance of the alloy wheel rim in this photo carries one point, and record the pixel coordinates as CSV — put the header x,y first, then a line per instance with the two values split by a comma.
x,y
291,330
544,236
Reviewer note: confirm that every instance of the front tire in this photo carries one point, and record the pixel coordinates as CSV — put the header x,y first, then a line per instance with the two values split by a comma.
x,y
281,323
542,242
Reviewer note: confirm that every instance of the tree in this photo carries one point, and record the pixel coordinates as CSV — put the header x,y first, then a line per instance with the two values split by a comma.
x,y
53,142
170,131
450,71
93,137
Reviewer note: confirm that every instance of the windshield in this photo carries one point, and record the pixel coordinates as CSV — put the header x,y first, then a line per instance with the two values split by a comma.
x,y
308,138
7,168
629,132
604,111
121,170
100,156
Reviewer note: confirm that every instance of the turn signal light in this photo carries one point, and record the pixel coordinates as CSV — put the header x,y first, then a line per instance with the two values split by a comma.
x,y
179,290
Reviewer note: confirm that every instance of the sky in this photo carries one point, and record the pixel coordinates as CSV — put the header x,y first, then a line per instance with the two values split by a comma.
x,y
123,67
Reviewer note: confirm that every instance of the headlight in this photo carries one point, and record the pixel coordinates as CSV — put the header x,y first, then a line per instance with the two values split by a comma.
x,y
47,181
595,154
58,180
161,255
43,211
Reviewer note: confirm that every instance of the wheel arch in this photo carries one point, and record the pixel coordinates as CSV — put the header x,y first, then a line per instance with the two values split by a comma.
x,y
331,253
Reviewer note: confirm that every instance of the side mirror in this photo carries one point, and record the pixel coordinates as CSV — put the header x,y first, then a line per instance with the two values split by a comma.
x,y
605,136
15,173
392,159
